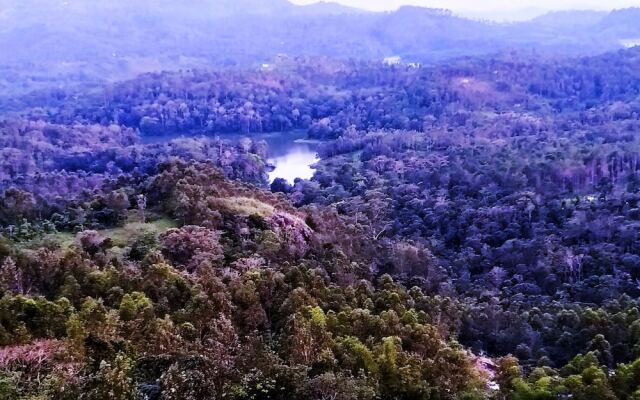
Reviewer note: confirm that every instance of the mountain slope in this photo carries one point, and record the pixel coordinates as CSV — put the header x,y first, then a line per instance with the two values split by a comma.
x,y
64,42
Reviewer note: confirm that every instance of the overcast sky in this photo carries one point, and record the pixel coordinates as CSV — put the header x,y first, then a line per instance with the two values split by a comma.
x,y
499,9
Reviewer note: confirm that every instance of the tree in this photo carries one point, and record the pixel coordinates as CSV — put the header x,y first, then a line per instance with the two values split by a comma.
x,y
92,242
626,381
133,305
11,278
191,245
113,380
76,335
280,185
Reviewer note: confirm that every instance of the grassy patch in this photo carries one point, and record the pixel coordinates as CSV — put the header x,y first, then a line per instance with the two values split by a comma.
x,y
246,206
120,236
123,235
52,240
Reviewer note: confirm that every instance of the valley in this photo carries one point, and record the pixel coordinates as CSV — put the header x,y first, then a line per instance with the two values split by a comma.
x,y
248,200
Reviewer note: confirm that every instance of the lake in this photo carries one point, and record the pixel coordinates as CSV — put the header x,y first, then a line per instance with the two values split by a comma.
x,y
290,153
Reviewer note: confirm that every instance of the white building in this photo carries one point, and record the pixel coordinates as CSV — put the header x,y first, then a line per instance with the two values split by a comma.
x,y
393,60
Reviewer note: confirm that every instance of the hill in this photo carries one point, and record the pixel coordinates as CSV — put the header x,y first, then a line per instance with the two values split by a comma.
x,y
53,43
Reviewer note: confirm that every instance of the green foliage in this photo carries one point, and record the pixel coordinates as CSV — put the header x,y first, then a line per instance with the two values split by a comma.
x,y
583,378
626,381
318,318
112,381
134,305
537,391
338,387
357,357
23,318
76,335
478,221
8,386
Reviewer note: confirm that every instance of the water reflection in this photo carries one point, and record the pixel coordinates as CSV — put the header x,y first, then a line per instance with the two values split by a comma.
x,y
295,163
290,153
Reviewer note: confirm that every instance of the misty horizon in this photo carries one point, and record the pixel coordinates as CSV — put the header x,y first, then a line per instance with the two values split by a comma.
x,y
497,10
60,43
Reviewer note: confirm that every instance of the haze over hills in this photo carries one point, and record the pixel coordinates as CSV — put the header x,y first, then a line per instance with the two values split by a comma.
x,y
62,42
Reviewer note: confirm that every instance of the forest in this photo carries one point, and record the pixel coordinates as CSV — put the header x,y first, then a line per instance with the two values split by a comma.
x,y
470,232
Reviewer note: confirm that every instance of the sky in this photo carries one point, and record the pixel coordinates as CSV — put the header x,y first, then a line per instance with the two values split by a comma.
x,y
494,9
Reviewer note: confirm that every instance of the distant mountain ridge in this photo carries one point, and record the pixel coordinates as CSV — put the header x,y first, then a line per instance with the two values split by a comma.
x,y
45,42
